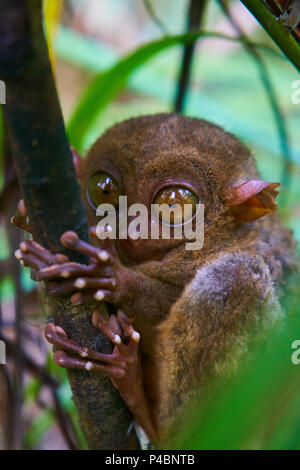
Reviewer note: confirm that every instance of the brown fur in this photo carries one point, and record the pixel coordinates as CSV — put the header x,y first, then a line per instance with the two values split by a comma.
x,y
192,306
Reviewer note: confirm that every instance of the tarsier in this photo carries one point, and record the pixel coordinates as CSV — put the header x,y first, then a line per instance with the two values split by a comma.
x,y
175,314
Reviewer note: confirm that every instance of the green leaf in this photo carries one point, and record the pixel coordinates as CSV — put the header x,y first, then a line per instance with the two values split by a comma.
x,y
35,432
32,390
105,87
275,29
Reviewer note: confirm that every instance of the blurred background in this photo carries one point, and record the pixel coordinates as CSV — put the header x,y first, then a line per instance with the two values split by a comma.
x,y
246,90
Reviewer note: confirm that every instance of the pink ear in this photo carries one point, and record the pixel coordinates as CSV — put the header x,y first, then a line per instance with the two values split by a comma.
x,y
252,200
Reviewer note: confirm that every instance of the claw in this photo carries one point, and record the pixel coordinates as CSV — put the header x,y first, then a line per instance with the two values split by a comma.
x,y
65,274
23,247
99,295
80,283
136,336
18,254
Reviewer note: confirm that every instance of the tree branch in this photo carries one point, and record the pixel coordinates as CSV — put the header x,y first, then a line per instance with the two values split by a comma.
x,y
48,184
195,15
280,36
278,114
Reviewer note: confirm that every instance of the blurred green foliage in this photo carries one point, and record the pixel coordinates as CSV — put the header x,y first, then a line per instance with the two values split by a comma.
x,y
46,418
106,86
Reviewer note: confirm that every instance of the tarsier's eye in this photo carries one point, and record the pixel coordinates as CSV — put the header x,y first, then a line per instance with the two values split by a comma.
x,y
103,189
175,197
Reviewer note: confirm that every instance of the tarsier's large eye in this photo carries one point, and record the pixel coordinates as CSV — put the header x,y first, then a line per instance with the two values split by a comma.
x,y
103,189
176,197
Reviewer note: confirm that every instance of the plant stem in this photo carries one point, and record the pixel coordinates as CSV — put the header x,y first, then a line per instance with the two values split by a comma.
x,y
195,16
280,36
48,183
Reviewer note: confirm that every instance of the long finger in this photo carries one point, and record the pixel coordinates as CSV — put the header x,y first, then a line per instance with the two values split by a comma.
x,y
72,241
58,287
72,269
95,283
29,260
34,248
113,324
90,296
62,342
103,324
107,327
101,234
83,284
70,362
127,327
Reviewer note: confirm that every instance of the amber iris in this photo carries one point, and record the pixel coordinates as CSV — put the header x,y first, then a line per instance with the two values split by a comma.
x,y
175,197
103,189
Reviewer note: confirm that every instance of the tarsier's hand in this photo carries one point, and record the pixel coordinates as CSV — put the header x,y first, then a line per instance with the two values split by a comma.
x,y
104,278
122,366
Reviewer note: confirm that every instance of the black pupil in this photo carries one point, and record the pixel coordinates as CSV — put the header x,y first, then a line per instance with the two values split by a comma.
x,y
103,189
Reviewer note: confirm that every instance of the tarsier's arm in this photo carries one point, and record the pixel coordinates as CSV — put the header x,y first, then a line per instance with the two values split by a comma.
x,y
213,315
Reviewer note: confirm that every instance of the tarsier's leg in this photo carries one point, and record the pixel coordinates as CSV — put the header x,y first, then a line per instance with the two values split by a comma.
x,y
228,301
123,366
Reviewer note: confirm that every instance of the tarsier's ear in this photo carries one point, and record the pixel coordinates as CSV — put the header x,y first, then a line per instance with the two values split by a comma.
x,y
252,200
79,164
